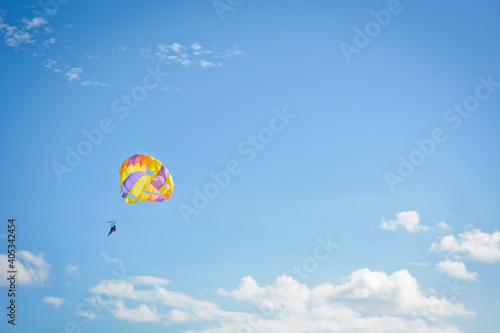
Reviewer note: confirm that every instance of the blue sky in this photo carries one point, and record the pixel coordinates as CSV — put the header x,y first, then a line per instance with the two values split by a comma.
x,y
354,148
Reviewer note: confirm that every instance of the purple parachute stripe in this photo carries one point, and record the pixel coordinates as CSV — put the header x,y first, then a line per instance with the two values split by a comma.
x,y
157,182
163,173
132,159
132,178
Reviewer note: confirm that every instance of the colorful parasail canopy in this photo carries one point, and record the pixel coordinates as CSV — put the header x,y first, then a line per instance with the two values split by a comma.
x,y
142,178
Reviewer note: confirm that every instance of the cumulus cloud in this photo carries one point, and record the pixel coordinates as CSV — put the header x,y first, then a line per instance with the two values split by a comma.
x,y
456,269
410,220
54,301
32,269
473,244
364,290
366,301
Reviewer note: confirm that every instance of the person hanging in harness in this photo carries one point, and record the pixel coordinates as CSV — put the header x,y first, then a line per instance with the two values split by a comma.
x,y
113,228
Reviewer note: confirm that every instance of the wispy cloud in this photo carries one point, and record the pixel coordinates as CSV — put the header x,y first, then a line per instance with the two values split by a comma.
x,y
56,302
74,74
86,314
34,23
106,257
188,56
421,264
15,36
206,64
48,42
196,46
409,220
71,269
53,65
443,226
88,83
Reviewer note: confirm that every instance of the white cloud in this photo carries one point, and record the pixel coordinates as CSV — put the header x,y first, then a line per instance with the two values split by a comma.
x,y
206,64
473,244
422,264
178,53
87,83
74,74
46,44
51,11
86,314
52,65
443,226
54,301
185,63
106,257
456,269
366,301
410,220
15,37
176,47
34,23
121,48
71,269
228,53
32,269
365,290
149,281
196,46
142,313
190,308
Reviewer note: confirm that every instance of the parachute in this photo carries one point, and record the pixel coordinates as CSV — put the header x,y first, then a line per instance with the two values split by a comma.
x,y
142,178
